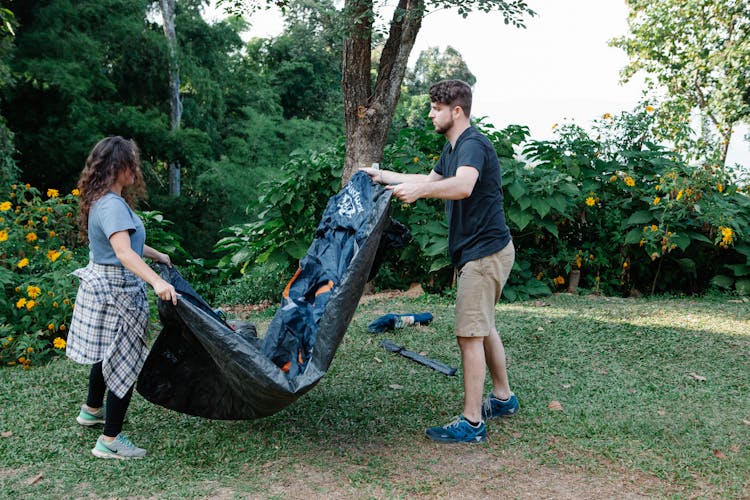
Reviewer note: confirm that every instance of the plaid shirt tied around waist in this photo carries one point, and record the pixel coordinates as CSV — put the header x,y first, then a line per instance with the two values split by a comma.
x,y
109,324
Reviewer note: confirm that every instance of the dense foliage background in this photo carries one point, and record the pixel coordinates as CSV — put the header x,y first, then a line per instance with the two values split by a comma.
x,y
614,210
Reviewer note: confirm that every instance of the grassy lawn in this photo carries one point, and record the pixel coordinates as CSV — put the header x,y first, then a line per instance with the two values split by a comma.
x,y
655,390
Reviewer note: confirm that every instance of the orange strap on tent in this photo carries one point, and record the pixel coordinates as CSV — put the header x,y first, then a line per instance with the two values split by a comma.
x,y
325,288
289,285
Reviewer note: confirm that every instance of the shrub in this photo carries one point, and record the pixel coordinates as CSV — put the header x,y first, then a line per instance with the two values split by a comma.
x,y
288,213
37,252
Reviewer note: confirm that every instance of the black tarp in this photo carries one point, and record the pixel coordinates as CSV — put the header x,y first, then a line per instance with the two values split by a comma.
x,y
200,366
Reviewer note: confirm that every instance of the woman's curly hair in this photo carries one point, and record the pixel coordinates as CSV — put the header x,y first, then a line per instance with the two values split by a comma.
x,y
107,159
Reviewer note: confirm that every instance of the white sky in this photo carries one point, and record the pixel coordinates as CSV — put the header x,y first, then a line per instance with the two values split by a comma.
x,y
557,70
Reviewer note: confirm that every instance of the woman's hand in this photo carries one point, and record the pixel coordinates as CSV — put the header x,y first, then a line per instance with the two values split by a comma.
x,y
165,291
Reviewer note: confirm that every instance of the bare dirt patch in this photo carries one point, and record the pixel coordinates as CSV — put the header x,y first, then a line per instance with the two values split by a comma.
x,y
431,470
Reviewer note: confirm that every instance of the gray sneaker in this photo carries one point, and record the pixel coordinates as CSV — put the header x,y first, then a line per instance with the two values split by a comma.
x,y
121,448
87,418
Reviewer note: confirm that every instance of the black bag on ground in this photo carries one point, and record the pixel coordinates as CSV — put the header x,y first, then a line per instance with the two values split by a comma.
x,y
200,366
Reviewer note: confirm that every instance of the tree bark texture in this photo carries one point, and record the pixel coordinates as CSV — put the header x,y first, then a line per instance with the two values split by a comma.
x,y
175,104
368,112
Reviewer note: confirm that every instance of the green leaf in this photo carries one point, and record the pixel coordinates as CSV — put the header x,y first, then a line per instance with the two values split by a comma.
x,y
696,236
558,202
516,189
519,218
742,287
438,247
634,236
681,240
569,189
722,281
549,226
297,249
739,269
640,217
524,202
541,207
439,264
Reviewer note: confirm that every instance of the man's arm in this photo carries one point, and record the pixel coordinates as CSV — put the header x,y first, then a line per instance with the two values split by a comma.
x,y
391,177
449,188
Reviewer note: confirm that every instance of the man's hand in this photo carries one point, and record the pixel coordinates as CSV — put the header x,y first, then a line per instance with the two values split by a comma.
x,y
375,174
408,192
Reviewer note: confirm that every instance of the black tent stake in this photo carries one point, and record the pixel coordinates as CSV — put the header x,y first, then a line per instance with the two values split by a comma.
x,y
423,360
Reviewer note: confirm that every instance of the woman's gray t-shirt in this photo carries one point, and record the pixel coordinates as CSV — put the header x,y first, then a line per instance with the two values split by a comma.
x,y
109,215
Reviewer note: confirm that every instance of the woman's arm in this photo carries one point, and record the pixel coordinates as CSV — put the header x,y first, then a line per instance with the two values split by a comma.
x,y
132,262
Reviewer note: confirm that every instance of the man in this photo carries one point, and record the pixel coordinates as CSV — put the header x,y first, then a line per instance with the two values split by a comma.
x,y
467,176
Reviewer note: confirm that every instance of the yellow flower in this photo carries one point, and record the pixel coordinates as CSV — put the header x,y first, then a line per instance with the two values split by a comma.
x,y
75,192
624,265
656,200
44,219
607,116
719,187
22,263
554,126
590,201
54,304
558,280
29,349
649,109
53,254
727,235
33,291
416,159
5,206
21,302
679,195
642,242
51,327
62,328
4,235
30,305
31,237
53,193
629,181
613,178
654,227
59,343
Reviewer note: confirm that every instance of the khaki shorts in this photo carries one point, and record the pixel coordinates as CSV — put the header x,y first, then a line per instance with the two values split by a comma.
x,y
480,283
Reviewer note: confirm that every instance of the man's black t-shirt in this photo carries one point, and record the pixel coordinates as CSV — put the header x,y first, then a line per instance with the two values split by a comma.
x,y
477,223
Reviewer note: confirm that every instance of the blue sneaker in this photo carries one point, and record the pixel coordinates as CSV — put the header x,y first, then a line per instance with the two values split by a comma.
x,y
494,407
87,418
120,448
458,431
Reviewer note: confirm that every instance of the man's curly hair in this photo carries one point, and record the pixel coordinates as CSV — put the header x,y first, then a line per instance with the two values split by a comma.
x,y
107,159
452,93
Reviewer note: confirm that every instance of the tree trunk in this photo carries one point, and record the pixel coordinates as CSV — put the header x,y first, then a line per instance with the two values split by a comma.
x,y
368,114
175,104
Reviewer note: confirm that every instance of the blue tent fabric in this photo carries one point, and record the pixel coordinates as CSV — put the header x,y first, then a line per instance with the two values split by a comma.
x,y
200,366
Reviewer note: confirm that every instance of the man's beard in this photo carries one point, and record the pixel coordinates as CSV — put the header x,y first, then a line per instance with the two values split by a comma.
x,y
444,128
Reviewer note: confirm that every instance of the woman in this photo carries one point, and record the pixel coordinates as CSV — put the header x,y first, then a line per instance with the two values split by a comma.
x,y
110,317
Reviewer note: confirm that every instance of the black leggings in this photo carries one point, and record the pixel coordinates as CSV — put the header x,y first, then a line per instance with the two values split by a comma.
x,y
116,407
